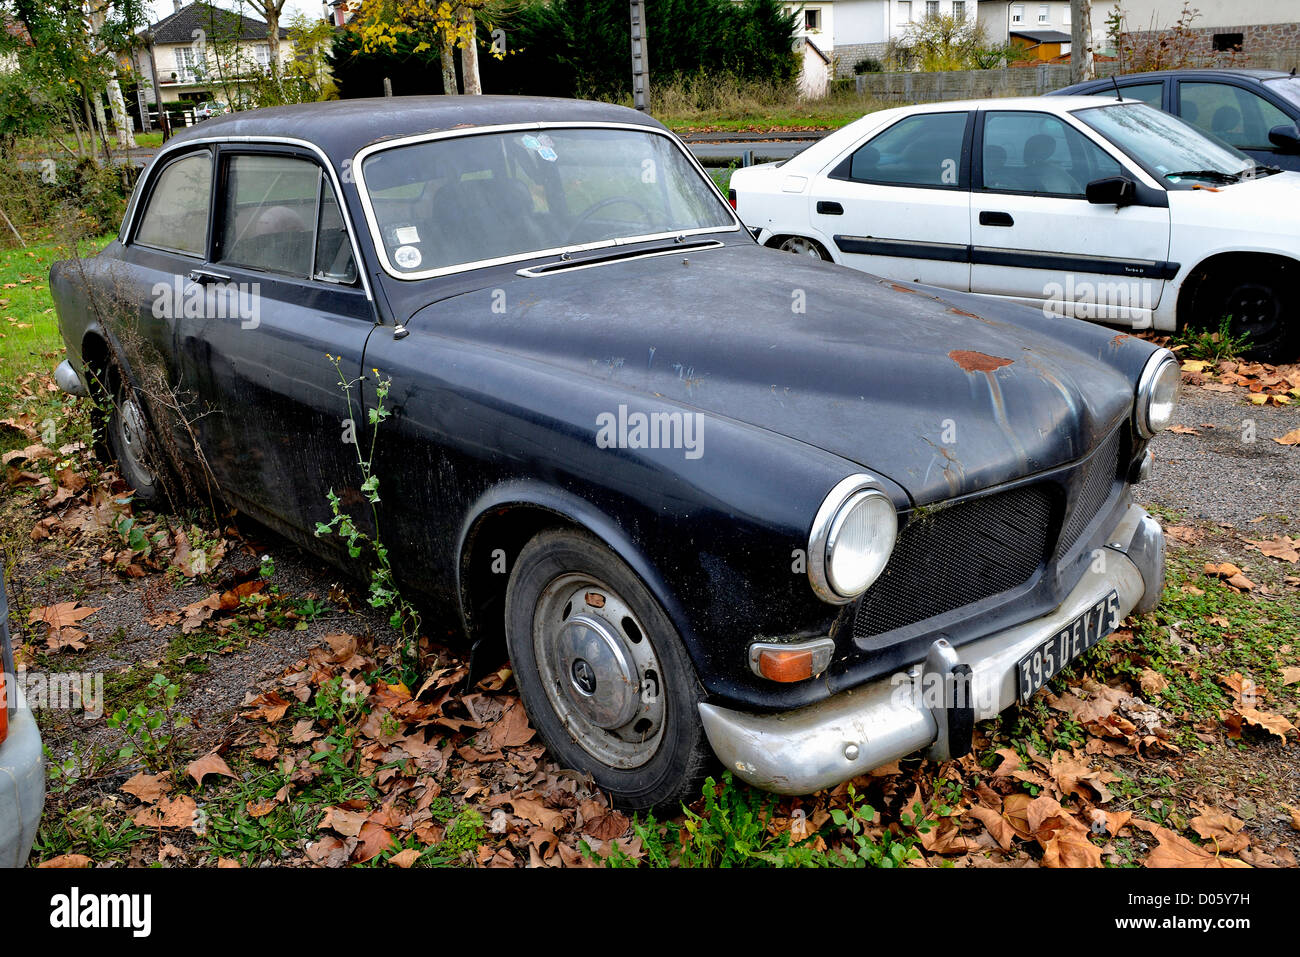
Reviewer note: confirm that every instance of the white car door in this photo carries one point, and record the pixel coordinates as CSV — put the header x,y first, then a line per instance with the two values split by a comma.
x,y
1036,238
898,205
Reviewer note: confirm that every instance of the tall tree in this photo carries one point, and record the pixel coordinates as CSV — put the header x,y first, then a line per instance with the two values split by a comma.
x,y
270,11
1081,64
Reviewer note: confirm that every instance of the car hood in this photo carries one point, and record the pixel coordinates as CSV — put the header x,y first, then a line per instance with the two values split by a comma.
x,y
1266,204
941,392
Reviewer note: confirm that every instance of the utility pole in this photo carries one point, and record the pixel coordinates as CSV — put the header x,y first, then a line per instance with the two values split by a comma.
x,y
1081,65
640,59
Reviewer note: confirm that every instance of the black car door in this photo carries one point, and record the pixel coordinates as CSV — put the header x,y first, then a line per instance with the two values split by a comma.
x,y
143,295
1239,114
285,319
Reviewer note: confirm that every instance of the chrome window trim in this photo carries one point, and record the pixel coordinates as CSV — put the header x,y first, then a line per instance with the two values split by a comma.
x,y
129,221
358,164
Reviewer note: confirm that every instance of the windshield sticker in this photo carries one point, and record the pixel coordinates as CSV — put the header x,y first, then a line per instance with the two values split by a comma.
x,y
408,257
543,145
406,235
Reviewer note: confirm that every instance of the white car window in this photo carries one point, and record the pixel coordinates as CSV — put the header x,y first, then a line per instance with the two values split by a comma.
x,y
1027,152
921,150
177,215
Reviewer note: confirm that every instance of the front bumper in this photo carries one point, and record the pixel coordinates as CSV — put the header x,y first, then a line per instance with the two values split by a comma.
x,y
66,376
805,750
22,785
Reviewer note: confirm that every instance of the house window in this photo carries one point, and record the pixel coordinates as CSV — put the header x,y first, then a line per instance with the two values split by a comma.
x,y
1065,15
812,20
931,8
905,11
959,10
1017,13
1227,42
189,65
262,53
1044,13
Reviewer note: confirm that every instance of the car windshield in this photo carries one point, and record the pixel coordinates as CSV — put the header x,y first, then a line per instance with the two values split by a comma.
x,y
1287,87
446,203
1175,151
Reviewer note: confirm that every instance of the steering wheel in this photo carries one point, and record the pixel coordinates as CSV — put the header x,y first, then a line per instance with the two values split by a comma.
x,y
595,207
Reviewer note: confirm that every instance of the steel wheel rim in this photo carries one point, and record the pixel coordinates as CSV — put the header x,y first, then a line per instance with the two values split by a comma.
x,y
600,671
1255,311
801,247
132,433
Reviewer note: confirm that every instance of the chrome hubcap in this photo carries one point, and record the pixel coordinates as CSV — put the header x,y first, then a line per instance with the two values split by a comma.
x,y
801,247
600,671
132,432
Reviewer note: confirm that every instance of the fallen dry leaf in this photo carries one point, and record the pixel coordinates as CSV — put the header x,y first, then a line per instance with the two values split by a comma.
x,y
208,764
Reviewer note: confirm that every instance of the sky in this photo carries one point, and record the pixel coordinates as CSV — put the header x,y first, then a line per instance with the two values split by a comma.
x,y
312,8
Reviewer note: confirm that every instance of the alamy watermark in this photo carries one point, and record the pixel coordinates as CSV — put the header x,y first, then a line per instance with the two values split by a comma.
x,y
181,299
651,430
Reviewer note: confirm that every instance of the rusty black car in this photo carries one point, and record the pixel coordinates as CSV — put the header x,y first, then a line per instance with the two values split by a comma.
x,y
714,502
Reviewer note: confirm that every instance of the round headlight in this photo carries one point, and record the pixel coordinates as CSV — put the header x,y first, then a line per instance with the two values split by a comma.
x,y
1157,393
852,539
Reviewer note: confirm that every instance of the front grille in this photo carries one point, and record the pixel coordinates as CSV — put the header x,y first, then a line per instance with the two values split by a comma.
x,y
1101,471
961,554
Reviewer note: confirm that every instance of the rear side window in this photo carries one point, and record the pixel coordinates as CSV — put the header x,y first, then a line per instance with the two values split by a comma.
x,y
176,218
270,213
924,150
1149,93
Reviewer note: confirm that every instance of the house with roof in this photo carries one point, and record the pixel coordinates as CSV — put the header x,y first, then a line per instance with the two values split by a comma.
x,y
204,52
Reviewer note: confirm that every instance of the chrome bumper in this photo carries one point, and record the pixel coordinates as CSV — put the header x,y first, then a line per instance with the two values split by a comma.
x,y
798,752
22,785
68,380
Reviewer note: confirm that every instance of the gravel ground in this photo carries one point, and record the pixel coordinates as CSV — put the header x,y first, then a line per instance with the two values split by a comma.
x,y
1218,475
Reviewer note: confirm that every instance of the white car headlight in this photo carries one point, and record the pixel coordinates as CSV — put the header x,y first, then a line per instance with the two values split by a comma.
x,y
852,538
1157,394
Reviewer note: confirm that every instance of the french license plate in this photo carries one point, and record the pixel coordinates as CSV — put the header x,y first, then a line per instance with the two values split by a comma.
x,y
1037,668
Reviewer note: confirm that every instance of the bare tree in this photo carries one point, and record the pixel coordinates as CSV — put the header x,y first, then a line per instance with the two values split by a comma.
x,y
1081,65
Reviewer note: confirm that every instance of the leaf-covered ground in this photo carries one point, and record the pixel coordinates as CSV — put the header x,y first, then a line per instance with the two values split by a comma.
x,y
254,713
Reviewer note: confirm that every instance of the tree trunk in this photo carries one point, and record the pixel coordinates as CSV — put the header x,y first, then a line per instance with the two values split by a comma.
x,y
102,121
273,40
121,119
449,65
1081,65
469,52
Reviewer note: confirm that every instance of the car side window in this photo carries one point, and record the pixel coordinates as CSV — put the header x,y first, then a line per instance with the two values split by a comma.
x,y
333,261
176,217
921,150
1149,93
270,213
1027,152
1237,116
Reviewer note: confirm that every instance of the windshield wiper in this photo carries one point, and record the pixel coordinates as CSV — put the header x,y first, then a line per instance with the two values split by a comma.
x,y
1217,175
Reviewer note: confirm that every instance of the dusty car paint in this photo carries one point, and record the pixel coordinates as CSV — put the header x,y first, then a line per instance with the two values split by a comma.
x,y
496,413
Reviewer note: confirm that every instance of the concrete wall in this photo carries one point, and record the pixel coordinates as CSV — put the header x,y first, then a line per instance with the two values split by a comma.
x,y
1012,81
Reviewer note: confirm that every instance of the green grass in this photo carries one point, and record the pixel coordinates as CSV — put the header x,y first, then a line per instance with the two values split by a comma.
x,y
29,331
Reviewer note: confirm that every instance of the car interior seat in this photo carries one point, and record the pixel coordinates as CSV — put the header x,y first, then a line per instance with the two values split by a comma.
x,y
1046,176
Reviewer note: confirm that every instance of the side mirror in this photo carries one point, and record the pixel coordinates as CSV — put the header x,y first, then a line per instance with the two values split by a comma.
x,y
1285,138
1112,191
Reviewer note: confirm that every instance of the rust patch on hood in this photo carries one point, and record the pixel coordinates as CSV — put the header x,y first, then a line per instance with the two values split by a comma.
x,y
962,312
977,361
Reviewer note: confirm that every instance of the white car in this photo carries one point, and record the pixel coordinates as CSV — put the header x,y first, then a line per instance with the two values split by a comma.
x,y
1087,206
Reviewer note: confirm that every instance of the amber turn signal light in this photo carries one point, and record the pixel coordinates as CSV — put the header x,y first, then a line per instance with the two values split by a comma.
x,y
788,663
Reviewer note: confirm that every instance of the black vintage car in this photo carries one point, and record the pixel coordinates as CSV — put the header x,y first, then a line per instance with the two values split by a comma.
x,y
711,499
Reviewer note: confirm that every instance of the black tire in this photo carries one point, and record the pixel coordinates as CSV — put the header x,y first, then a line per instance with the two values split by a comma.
x,y
131,443
660,772
1255,303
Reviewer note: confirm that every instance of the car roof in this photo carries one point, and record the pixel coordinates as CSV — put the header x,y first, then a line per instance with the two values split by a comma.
x,y
1055,105
341,127
1241,73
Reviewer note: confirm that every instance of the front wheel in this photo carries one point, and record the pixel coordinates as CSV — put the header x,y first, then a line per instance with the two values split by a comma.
x,y
1254,307
602,672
